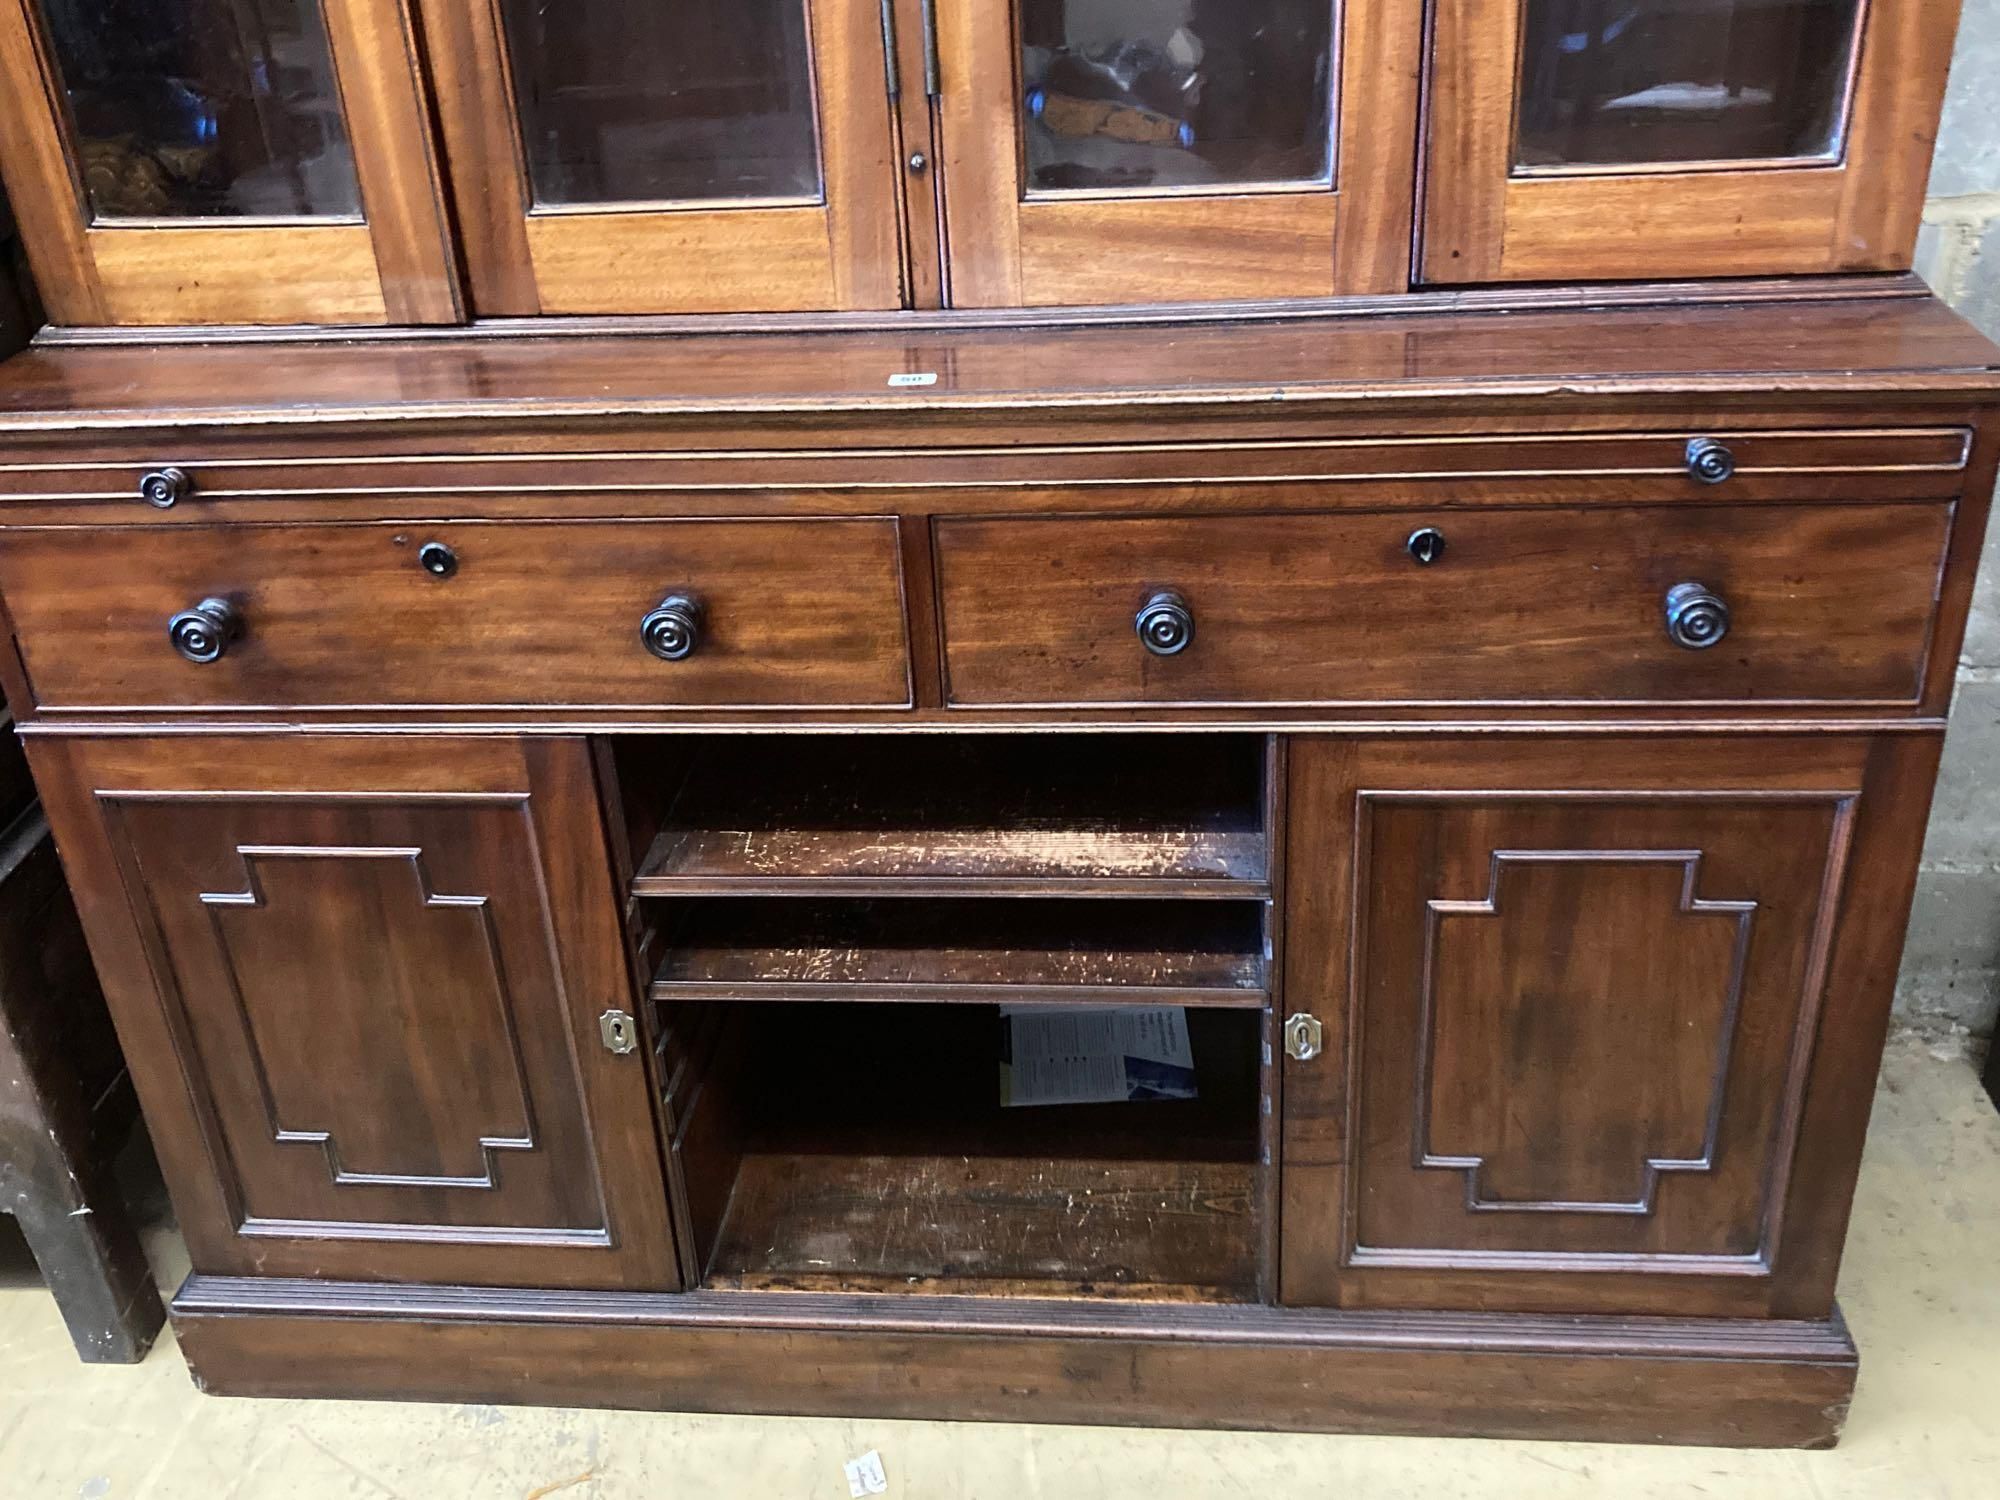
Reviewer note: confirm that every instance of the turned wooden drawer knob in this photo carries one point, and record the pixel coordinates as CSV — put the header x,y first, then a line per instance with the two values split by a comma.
x,y
1697,617
204,633
1165,623
673,629
1709,462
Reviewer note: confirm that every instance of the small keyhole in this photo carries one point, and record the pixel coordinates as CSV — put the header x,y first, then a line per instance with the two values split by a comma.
x,y
1426,545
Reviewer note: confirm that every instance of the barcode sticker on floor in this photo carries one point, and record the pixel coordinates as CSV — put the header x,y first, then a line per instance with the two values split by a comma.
x,y
865,1475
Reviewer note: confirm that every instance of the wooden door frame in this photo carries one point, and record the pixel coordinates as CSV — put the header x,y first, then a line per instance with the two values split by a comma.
x,y
555,780
392,265
1858,212
1887,779
1350,239
841,254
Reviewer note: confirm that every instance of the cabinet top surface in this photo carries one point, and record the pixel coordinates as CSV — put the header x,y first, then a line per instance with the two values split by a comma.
x,y
1895,340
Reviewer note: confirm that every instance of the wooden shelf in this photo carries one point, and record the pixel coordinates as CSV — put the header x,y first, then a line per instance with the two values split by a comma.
x,y
814,1220
1093,861
949,816
1019,952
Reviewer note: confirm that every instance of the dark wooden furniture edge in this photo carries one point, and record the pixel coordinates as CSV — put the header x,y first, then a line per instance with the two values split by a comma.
x,y
164,724
1495,364
66,1109
1502,400
1735,1382
1577,296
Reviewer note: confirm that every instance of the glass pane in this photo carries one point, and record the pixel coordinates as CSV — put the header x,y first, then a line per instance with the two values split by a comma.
x,y
1632,82
636,101
204,108
1126,94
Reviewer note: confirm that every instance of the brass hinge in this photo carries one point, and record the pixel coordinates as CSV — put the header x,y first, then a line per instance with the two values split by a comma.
x,y
620,1034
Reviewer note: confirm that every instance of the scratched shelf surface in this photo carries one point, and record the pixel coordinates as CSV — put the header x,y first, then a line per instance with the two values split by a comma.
x,y
1020,951
1098,815
813,1220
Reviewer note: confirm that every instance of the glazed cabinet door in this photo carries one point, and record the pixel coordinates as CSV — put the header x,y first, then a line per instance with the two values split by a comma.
x,y
224,161
627,156
1600,1019
360,983
1118,151
1633,139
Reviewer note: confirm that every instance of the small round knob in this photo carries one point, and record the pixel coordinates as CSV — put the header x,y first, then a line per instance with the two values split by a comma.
x,y
1709,462
1426,545
165,488
673,630
1165,623
917,162
203,633
436,559
1697,618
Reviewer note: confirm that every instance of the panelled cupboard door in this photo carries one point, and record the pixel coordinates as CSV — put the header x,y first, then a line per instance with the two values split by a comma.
x,y
1600,1018
1628,139
224,161
629,156
359,982
1119,151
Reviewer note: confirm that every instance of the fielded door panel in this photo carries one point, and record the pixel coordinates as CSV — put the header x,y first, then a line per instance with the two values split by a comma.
x,y
360,983
1596,139
1601,1019
1176,150
195,161
626,156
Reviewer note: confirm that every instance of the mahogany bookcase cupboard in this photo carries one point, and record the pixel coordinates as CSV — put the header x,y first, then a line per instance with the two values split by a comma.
x,y
594,591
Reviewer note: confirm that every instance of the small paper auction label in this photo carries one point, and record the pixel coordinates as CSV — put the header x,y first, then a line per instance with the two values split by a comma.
x,y
865,1475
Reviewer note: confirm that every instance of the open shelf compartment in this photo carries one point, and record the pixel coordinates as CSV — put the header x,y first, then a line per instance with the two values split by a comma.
x,y
1142,815
864,1148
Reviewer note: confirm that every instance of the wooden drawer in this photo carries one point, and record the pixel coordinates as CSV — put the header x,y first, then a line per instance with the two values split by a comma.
x,y
533,614
1827,602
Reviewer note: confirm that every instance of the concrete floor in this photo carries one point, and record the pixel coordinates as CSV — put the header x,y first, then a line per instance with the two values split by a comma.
x,y
1921,1288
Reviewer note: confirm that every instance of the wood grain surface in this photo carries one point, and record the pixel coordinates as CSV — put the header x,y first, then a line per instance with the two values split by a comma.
x,y
1561,606
793,612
